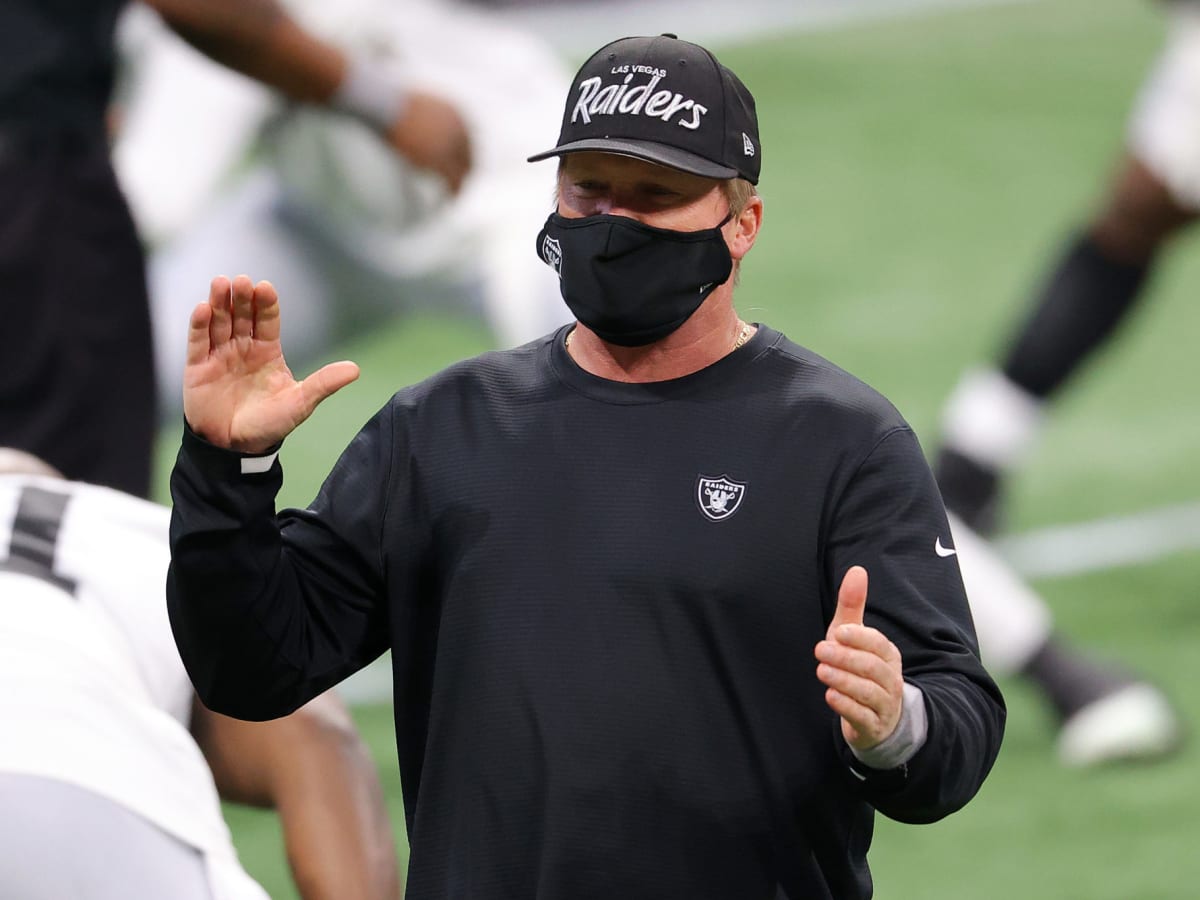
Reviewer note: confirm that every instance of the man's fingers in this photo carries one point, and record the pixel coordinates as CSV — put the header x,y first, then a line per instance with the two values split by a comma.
x,y
266,312
863,689
243,307
881,666
197,339
861,719
842,646
858,714
325,381
220,324
852,599
863,674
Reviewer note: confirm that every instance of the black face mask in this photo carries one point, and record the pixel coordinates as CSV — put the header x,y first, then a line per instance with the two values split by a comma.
x,y
630,283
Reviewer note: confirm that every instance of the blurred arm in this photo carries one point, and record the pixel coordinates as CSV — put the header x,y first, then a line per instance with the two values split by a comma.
x,y
314,769
186,123
259,39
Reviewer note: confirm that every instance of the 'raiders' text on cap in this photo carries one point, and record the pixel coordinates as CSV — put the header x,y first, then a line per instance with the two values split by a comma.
x,y
666,101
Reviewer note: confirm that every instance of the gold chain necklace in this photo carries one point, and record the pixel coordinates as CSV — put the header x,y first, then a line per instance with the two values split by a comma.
x,y
743,336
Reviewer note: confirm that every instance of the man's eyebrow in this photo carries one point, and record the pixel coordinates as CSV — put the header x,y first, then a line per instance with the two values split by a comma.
x,y
678,186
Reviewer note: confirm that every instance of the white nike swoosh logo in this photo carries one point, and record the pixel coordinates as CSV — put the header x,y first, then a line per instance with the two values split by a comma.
x,y
943,551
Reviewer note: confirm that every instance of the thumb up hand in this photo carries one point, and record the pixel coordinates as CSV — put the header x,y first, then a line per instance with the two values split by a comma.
x,y
852,601
860,668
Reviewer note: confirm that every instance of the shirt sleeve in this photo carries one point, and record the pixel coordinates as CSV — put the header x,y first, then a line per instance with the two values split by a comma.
x,y
889,518
270,610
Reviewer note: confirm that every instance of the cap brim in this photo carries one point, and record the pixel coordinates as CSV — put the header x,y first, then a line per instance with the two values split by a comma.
x,y
671,157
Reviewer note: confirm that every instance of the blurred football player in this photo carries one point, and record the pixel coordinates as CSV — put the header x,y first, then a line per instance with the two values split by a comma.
x,y
77,385
994,415
110,769
224,176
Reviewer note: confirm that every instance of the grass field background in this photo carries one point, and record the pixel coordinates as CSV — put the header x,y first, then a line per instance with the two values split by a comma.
x,y
918,175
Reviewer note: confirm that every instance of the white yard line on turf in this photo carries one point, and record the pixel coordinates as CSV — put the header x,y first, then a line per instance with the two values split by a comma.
x,y
574,27
1106,543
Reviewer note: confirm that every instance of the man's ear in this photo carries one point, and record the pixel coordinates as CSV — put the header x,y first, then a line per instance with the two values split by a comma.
x,y
746,227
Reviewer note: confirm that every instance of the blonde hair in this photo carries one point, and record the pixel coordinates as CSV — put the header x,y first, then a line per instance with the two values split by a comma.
x,y
738,192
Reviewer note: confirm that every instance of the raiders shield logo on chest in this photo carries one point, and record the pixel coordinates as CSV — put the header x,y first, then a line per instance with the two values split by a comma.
x,y
720,497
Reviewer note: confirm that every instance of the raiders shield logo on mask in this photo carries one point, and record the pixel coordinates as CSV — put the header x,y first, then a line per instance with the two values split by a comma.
x,y
719,498
552,253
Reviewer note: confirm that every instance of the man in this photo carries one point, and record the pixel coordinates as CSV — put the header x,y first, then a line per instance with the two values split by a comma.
x,y
225,175
603,561
994,415
109,769
77,386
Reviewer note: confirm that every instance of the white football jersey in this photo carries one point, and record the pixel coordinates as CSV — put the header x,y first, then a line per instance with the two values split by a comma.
x,y
92,690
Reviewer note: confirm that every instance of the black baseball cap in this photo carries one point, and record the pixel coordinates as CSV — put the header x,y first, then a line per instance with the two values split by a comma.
x,y
666,101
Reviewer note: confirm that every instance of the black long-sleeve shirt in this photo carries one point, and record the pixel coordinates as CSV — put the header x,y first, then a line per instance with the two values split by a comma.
x,y
602,601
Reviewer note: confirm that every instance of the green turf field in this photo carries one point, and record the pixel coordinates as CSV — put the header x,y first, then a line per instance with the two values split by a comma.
x,y
918,173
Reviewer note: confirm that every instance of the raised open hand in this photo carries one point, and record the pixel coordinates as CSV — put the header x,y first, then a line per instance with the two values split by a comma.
x,y
861,669
237,390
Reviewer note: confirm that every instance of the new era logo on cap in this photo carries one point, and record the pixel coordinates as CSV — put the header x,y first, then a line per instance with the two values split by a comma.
x,y
664,100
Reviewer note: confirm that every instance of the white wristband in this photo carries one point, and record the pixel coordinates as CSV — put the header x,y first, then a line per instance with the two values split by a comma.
x,y
370,93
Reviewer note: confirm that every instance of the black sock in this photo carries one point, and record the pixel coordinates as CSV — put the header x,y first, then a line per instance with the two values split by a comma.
x,y
1080,304
969,489
1069,679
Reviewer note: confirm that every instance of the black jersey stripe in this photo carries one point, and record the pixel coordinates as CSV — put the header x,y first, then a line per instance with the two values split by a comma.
x,y
35,536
